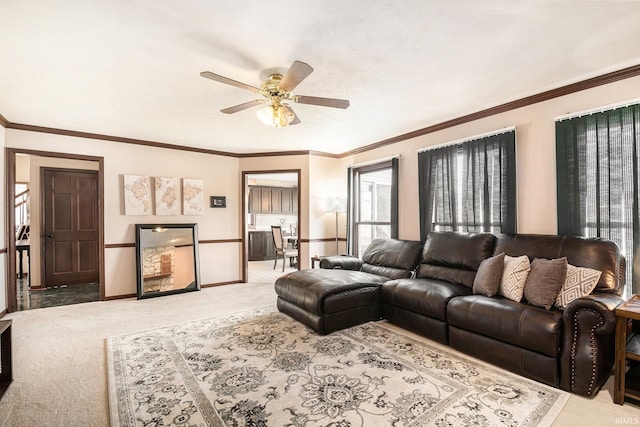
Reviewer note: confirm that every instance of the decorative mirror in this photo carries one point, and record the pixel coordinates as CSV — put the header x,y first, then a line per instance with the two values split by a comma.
x,y
167,259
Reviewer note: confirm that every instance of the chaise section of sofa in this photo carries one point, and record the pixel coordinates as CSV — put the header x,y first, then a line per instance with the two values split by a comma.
x,y
331,299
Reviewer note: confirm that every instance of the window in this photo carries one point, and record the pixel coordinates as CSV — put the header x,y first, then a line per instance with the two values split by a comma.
x,y
470,186
373,204
597,158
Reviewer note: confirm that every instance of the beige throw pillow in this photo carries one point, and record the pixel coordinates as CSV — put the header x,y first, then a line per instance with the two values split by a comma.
x,y
514,276
545,281
580,282
489,275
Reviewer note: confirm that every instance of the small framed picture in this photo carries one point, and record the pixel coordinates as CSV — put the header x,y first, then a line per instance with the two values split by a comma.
x,y
218,201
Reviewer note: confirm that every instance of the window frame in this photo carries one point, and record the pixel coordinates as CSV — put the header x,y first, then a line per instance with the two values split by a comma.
x,y
354,200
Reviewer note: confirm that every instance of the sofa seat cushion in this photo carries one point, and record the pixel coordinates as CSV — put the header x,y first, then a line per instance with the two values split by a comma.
x,y
522,325
428,297
311,289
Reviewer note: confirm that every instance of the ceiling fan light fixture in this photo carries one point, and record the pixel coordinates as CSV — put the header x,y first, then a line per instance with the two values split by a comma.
x,y
285,115
265,115
276,115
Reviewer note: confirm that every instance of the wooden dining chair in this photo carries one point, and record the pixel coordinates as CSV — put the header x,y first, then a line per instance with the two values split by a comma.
x,y
281,247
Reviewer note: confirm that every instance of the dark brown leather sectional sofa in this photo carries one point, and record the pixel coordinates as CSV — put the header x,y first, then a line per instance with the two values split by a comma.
x,y
428,289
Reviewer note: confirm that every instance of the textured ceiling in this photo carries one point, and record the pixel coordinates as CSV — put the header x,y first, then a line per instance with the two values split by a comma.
x,y
131,68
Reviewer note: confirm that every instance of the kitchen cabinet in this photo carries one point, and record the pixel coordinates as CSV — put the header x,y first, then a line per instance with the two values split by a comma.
x,y
255,200
273,200
261,246
289,201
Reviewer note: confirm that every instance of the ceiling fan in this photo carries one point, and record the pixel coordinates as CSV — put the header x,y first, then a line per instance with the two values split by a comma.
x,y
276,89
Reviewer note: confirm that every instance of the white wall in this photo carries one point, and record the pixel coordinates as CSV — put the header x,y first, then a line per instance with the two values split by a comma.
x,y
535,139
327,181
220,178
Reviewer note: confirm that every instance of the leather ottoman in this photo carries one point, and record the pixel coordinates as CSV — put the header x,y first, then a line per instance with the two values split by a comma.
x,y
330,300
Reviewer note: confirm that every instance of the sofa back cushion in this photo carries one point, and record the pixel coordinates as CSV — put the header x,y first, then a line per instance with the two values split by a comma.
x,y
392,258
454,257
598,254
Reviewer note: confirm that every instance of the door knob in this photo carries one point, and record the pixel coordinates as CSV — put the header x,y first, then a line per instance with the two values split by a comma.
x,y
50,235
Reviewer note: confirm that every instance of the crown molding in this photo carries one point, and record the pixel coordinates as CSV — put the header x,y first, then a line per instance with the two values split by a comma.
x,y
276,153
89,135
604,79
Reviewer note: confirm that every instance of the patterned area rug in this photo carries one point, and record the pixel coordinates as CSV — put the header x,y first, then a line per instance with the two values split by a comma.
x,y
265,369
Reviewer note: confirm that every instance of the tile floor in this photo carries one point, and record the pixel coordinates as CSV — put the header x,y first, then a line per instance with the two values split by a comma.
x,y
52,297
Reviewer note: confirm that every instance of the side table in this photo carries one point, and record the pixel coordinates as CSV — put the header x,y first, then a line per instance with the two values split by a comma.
x,y
314,259
627,348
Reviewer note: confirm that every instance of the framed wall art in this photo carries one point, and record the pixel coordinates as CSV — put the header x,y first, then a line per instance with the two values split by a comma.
x,y
167,196
192,196
137,195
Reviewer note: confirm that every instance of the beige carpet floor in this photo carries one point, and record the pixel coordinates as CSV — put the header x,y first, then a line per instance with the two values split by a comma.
x,y
60,359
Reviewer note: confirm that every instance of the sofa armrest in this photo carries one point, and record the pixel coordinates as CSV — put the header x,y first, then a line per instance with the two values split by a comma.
x,y
343,262
588,346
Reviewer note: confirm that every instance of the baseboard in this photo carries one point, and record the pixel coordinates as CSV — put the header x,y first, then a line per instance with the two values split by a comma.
x,y
208,285
213,285
119,297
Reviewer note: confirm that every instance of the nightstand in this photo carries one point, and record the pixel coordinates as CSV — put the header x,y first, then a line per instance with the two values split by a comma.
x,y
626,384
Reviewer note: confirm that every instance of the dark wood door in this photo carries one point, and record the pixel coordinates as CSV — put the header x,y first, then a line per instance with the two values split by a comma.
x,y
70,227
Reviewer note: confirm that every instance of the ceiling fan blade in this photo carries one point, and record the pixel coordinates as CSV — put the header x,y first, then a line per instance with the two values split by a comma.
x,y
225,80
294,75
324,102
241,107
296,119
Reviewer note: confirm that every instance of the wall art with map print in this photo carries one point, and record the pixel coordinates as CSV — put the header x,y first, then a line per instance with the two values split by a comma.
x,y
137,195
192,196
167,196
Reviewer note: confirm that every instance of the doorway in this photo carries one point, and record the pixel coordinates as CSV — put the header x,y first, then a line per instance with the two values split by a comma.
x,y
41,284
271,198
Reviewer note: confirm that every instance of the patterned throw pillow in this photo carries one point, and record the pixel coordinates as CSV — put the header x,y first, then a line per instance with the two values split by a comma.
x,y
580,282
514,276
